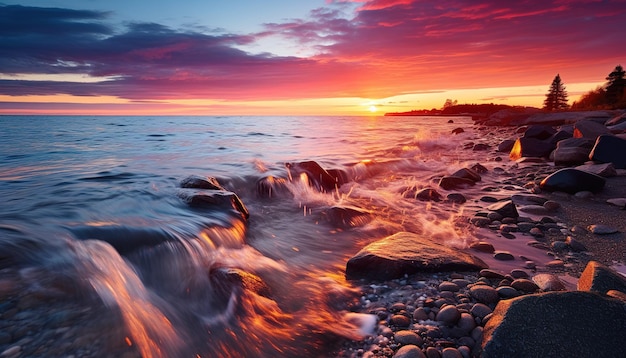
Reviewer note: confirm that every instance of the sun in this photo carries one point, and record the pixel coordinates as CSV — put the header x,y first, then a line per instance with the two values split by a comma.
x,y
373,109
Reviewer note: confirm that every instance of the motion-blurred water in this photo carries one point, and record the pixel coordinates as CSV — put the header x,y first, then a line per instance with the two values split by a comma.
x,y
97,201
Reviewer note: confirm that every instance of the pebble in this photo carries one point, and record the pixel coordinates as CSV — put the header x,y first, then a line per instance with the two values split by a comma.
x,y
483,246
575,245
449,315
400,320
551,205
524,285
420,314
530,264
432,352
485,294
621,202
507,292
409,351
503,256
558,246
517,273
449,286
451,353
556,264
488,273
602,229
408,337
480,310
536,232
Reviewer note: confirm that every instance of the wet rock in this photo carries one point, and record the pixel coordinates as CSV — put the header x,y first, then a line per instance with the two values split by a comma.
x,y
458,130
346,217
480,147
524,285
467,174
589,129
451,352
533,209
599,278
409,351
605,170
482,246
503,256
609,149
507,292
599,229
530,147
407,253
488,273
479,168
527,199
451,182
449,286
219,199
271,187
554,325
124,239
480,310
575,245
504,208
318,177
400,320
456,198
571,181
198,182
426,194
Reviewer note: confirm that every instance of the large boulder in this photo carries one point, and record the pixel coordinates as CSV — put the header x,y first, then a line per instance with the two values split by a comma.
x,y
609,149
530,147
572,151
589,129
556,324
599,278
570,180
405,254
539,131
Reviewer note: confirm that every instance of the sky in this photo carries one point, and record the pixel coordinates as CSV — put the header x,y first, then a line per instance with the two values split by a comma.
x,y
297,57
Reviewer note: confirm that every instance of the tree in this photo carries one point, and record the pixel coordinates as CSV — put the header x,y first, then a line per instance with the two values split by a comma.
x,y
556,98
449,103
594,99
615,86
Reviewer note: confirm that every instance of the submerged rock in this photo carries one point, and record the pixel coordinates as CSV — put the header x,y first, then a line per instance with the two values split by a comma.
x,y
407,253
124,239
571,181
556,324
318,177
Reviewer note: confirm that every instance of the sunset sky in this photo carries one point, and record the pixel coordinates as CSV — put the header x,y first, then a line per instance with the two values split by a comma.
x,y
292,57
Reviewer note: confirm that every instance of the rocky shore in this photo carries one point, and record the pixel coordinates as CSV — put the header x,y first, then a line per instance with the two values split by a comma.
x,y
554,245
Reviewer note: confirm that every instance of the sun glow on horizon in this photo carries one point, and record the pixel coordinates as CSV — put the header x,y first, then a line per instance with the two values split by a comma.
x,y
373,109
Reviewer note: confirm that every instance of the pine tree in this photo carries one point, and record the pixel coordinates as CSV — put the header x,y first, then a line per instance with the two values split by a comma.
x,y
615,86
556,98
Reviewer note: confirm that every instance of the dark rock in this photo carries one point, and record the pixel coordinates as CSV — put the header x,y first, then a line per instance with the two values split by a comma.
x,y
484,294
123,238
572,151
609,149
505,208
605,170
488,273
539,132
197,182
346,217
480,310
449,315
426,194
507,292
451,182
600,229
409,351
408,337
527,199
479,168
556,324
467,174
458,130
571,181
318,177
589,129
400,320
480,147
482,246
271,186
503,256
506,145
214,199
559,136
599,278
530,147
575,245
456,198
407,253
224,278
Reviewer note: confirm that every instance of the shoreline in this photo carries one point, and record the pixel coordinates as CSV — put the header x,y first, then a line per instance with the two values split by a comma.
x,y
422,296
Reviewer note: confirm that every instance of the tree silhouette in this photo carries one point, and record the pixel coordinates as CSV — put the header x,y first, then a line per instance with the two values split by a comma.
x,y
556,98
615,95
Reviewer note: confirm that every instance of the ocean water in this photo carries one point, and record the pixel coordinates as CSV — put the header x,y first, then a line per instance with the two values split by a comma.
x,y
93,207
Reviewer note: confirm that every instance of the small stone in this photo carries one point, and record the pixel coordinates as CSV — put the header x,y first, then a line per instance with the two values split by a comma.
x,y
432,352
408,337
507,292
503,256
449,286
449,315
484,294
480,221
400,320
530,264
555,264
533,209
409,351
517,273
488,273
420,314
483,246
575,245
536,232
620,202
480,310
551,205
558,246
524,285
451,353
602,229
456,198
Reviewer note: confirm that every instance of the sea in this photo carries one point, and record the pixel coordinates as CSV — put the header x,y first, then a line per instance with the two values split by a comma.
x,y
94,207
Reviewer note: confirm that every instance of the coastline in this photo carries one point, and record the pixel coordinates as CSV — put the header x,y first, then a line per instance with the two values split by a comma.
x,y
421,297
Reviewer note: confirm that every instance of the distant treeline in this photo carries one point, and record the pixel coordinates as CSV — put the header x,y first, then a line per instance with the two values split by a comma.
x,y
456,110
